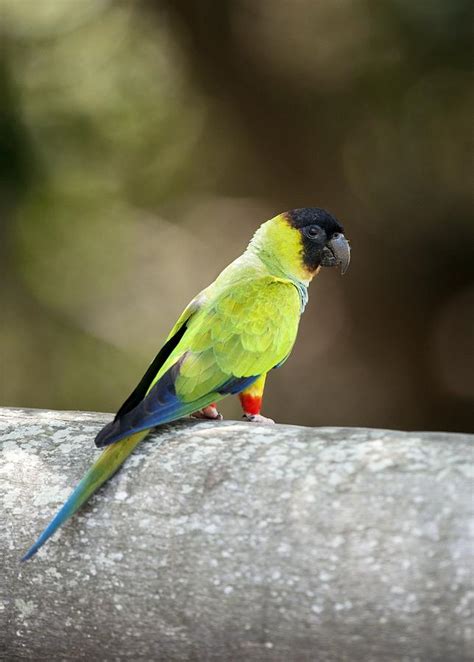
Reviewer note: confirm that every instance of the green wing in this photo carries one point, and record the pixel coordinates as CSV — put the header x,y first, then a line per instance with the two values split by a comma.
x,y
242,331
233,336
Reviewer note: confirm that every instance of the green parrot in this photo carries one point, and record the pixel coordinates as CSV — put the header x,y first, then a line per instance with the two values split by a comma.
x,y
225,342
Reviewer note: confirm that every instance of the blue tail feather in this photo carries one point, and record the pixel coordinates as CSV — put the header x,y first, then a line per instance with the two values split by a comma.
x,y
161,405
61,516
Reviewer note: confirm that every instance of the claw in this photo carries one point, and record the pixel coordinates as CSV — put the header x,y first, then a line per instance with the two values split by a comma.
x,y
258,418
209,412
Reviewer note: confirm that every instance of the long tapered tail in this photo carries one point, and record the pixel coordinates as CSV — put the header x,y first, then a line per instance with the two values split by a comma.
x,y
105,467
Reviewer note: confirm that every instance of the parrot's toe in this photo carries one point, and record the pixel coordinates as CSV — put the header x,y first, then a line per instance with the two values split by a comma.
x,y
258,418
209,412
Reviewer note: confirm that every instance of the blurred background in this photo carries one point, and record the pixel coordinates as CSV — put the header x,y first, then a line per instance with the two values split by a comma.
x,y
141,144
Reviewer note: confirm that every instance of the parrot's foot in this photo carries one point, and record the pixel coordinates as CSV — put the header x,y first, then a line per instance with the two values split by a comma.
x,y
209,412
258,418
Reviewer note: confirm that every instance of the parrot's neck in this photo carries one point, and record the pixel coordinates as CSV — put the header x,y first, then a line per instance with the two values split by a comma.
x,y
268,245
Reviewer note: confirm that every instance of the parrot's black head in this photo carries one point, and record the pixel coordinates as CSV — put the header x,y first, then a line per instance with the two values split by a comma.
x,y
322,238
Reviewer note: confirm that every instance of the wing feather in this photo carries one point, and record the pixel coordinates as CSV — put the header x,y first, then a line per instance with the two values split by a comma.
x,y
220,348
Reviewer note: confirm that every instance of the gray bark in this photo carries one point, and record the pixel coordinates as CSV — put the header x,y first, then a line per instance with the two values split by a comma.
x,y
230,541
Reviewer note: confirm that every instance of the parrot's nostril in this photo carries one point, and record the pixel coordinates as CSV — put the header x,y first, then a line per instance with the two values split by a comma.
x,y
336,235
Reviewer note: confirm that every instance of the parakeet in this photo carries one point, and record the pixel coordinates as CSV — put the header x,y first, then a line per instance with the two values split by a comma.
x,y
224,343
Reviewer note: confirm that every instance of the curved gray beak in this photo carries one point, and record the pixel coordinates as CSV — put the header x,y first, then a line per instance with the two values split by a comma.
x,y
341,252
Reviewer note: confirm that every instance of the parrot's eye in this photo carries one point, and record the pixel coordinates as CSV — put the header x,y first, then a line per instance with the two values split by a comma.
x,y
312,231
